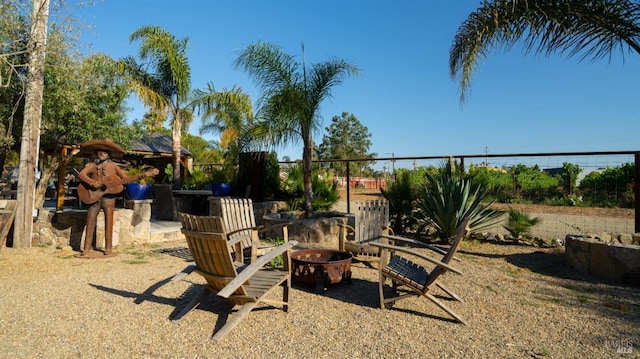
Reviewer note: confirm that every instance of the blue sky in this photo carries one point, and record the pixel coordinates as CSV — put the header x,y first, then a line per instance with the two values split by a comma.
x,y
519,103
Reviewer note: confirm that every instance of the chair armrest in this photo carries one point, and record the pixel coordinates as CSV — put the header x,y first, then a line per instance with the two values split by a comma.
x,y
348,227
343,229
417,254
261,228
233,242
251,269
420,244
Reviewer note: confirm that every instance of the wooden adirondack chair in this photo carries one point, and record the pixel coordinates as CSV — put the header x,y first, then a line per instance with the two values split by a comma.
x,y
6,219
238,216
243,285
414,279
371,224
214,224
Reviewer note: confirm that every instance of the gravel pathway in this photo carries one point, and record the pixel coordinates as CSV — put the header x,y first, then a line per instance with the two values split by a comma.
x,y
520,302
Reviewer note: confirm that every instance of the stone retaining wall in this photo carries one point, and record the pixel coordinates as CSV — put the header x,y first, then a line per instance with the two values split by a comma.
x,y
618,262
130,225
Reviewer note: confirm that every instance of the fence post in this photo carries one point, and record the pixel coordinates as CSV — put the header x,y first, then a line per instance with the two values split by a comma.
x,y
636,190
348,191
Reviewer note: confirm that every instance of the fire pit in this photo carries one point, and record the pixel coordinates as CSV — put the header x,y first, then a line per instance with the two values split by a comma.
x,y
321,267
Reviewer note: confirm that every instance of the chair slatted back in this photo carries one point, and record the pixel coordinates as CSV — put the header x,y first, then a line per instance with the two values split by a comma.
x,y
211,253
371,219
237,214
463,231
202,223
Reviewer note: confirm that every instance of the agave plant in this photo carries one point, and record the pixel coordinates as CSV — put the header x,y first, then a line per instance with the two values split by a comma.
x,y
448,198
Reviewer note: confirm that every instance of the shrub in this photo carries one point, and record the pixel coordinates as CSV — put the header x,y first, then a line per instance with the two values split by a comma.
x,y
401,195
325,191
520,223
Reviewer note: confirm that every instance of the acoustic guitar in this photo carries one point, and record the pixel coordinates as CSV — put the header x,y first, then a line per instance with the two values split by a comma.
x,y
109,185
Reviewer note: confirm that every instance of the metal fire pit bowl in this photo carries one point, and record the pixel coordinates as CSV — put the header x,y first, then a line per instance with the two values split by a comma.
x,y
321,267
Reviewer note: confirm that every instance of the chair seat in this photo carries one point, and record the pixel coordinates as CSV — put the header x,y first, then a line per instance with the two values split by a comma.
x,y
406,274
407,271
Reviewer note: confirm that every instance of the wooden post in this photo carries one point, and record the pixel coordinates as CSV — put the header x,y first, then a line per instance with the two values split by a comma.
x,y
30,144
348,191
62,169
636,191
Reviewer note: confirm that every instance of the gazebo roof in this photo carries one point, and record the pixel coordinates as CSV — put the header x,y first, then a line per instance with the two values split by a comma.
x,y
155,144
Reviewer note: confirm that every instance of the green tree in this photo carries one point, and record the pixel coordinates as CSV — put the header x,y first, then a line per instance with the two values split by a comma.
x,y
204,152
291,98
166,87
229,113
592,29
347,138
569,176
14,33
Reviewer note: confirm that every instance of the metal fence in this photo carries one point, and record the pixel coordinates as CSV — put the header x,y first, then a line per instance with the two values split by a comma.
x,y
587,161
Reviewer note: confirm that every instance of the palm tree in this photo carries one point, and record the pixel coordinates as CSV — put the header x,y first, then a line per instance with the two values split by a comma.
x,y
167,88
291,97
227,112
592,29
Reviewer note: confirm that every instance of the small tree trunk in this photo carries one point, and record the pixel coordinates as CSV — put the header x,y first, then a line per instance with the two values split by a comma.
x,y
30,145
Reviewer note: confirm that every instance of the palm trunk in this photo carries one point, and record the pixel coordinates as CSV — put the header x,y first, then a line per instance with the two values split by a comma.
x,y
176,147
306,175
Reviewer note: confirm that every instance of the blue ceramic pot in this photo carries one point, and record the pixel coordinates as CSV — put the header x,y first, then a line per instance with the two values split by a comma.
x,y
221,189
138,190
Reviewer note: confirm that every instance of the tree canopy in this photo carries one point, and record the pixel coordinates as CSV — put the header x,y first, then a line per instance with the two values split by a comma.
x,y
347,138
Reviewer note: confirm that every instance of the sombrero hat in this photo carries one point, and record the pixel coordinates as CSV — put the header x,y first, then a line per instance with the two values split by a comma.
x,y
107,145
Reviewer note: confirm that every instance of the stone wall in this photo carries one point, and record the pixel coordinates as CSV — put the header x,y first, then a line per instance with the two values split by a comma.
x,y
322,230
130,225
618,262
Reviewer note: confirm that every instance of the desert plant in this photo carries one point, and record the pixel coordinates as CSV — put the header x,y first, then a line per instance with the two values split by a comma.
x,y
520,223
401,195
447,199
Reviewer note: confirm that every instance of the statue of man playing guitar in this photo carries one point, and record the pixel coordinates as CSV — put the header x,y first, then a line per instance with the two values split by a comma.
x,y
102,180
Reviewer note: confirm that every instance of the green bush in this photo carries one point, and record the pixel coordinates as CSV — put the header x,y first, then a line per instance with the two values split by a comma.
x,y
401,195
611,187
325,191
197,179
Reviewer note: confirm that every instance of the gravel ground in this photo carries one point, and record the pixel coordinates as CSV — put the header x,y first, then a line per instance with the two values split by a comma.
x,y
520,302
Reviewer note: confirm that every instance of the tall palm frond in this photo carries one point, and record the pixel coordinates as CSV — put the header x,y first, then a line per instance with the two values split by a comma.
x,y
594,29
